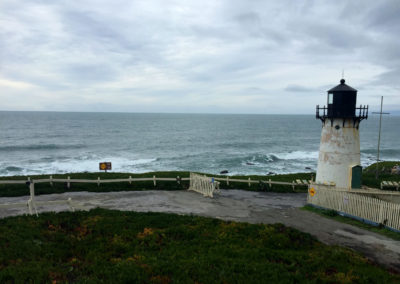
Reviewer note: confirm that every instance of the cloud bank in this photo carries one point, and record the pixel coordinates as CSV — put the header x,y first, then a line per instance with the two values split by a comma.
x,y
196,56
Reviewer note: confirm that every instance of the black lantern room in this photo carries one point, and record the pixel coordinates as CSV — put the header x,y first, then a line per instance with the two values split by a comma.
x,y
341,103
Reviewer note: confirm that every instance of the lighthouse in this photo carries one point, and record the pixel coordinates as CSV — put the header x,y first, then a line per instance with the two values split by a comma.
x,y
339,152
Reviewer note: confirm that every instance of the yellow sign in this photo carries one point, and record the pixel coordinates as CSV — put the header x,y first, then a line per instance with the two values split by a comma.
x,y
312,191
104,166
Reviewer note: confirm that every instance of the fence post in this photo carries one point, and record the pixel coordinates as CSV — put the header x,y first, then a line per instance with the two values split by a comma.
x,y
31,201
68,183
30,207
130,180
293,185
51,180
178,180
249,182
227,180
98,181
380,211
32,194
32,190
269,183
70,204
154,180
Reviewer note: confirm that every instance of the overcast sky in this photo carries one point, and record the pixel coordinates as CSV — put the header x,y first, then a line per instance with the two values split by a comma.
x,y
196,56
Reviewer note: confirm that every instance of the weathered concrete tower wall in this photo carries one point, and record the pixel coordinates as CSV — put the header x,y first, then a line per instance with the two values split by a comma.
x,y
339,151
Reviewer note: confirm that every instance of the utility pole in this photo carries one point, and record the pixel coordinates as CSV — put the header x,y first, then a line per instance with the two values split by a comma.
x,y
379,137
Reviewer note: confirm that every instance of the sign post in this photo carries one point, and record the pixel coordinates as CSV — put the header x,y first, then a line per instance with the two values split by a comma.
x,y
104,166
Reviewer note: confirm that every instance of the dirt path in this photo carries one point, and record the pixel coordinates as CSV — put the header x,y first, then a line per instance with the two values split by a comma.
x,y
237,205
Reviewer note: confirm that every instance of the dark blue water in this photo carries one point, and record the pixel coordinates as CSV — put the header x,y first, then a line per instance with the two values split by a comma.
x,y
55,142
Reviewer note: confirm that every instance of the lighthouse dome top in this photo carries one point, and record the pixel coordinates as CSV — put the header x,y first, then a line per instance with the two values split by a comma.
x,y
342,87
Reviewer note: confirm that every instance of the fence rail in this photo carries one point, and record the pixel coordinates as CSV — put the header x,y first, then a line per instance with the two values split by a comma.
x,y
359,204
99,181
32,203
326,195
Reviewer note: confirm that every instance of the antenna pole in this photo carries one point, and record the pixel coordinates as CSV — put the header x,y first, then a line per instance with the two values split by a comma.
x,y
379,137
379,140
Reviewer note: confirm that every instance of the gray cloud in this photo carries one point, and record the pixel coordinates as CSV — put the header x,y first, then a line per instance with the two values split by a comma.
x,y
89,73
299,89
391,78
184,56
385,16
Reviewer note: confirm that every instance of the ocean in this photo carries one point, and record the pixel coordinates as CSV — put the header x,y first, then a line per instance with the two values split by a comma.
x,y
61,142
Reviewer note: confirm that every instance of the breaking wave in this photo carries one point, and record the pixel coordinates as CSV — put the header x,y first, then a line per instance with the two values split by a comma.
x,y
40,147
298,155
77,165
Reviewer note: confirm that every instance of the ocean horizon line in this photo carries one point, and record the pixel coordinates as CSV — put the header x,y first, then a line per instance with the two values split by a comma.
x,y
124,112
393,113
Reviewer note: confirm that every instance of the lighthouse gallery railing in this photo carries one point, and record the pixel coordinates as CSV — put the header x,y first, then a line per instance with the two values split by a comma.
x,y
359,114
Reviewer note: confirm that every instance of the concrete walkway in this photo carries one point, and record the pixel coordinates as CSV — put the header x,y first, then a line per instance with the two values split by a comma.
x,y
236,205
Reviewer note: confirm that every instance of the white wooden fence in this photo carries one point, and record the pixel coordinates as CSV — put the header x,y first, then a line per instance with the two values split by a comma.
x,y
362,204
389,184
32,203
203,184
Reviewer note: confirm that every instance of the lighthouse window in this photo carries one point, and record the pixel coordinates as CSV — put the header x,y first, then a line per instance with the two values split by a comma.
x,y
330,99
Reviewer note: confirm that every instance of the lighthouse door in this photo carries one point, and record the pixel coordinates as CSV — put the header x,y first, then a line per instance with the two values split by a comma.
x,y
356,174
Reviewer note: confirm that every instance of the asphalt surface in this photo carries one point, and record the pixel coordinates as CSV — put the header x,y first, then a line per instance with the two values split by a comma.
x,y
235,205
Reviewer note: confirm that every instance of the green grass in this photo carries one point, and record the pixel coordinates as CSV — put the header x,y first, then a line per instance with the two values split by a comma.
x,y
334,215
45,188
104,246
368,179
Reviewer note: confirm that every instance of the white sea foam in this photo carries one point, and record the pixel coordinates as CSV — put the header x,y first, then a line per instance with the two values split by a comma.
x,y
79,165
142,161
298,155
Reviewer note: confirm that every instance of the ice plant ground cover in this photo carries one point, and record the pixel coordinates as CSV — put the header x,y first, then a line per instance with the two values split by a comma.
x,y
113,246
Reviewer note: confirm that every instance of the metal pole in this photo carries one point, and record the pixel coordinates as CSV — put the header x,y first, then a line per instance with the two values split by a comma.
x,y
379,140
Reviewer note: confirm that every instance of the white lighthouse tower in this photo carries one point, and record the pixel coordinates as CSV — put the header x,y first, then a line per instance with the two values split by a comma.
x,y
339,152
